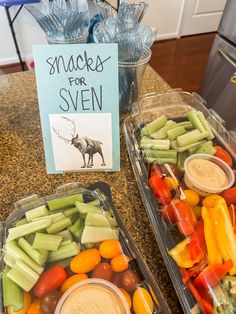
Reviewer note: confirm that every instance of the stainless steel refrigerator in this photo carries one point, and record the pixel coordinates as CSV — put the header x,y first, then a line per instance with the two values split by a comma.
x,y
218,87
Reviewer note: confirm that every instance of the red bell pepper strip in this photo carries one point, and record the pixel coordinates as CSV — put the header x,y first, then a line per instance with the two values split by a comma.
x,y
229,195
197,243
212,275
159,187
184,217
204,304
50,280
223,155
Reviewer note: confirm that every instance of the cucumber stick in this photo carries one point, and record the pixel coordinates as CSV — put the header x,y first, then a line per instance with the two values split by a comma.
x,y
64,202
23,275
21,231
36,212
64,251
153,126
174,133
18,254
39,257
48,242
12,293
191,137
155,144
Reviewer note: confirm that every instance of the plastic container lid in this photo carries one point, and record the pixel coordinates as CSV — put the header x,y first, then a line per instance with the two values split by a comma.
x,y
93,296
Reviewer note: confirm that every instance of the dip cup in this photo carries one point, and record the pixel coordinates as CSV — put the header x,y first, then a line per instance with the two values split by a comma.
x,y
201,189
109,293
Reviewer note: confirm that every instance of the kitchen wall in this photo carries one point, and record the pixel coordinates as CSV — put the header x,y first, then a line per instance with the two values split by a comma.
x,y
163,14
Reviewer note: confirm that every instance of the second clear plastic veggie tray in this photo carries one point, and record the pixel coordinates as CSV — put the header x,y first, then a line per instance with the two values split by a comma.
x,y
174,238
92,203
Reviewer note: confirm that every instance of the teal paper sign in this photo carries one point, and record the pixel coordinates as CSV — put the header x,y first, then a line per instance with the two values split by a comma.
x,y
79,106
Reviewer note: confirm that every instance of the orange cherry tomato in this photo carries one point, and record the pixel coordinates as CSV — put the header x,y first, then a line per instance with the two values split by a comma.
x,y
85,261
127,296
142,302
35,307
120,263
71,281
110,248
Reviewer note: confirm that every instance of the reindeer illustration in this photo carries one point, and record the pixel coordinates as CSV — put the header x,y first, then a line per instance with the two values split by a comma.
x,y
84,144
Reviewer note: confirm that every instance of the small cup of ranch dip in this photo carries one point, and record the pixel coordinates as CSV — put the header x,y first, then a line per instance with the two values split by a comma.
x,y
207,174
95,296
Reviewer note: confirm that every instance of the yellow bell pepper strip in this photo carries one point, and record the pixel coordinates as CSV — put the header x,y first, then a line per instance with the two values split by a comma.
x,y
213,253
181,254
224,232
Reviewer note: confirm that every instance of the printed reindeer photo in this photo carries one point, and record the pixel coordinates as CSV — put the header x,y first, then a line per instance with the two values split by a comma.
x,y
84,144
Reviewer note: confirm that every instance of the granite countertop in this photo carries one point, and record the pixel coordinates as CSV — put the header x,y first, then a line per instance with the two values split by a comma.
x,y
23,173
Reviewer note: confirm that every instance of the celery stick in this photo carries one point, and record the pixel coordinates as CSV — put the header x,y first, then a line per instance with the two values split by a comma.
x,y
154,126
70,212
63,252
205,125
36,212
59,226
155,144
94,203
60,217
183,148
84,208
12,293
32,252
9,259
206,148
20,231
65,234
191,137
162,133
99,220
52,216
23,275
65,242
193,118
93,234
17,253
47,241
76,226
181,159
64,202
160,153
160,161
78,234
193,149
174,133
30,238
21,222
186,124
63,263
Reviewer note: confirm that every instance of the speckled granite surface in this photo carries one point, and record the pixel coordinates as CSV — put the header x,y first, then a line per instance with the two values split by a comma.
x,y
22,168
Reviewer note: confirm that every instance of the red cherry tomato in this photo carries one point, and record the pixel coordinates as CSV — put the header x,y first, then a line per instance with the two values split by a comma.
x,y
103,271
50,280
49,302
229,195
223,155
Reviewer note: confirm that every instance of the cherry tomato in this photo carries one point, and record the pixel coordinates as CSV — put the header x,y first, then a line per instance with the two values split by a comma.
x,y
117,279
223,155
85,261
49,302
50,280
110,248
142,302
71,281
34,307
129,280
229,195
120,263
103,271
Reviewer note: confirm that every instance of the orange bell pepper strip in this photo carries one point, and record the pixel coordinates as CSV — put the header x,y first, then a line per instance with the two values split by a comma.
x,y
184,217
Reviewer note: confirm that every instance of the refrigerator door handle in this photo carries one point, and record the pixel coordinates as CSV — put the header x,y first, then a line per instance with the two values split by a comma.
x,y
227,57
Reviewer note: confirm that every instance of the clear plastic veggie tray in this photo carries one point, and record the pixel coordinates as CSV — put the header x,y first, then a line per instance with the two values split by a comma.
x,y
189,194
50,245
